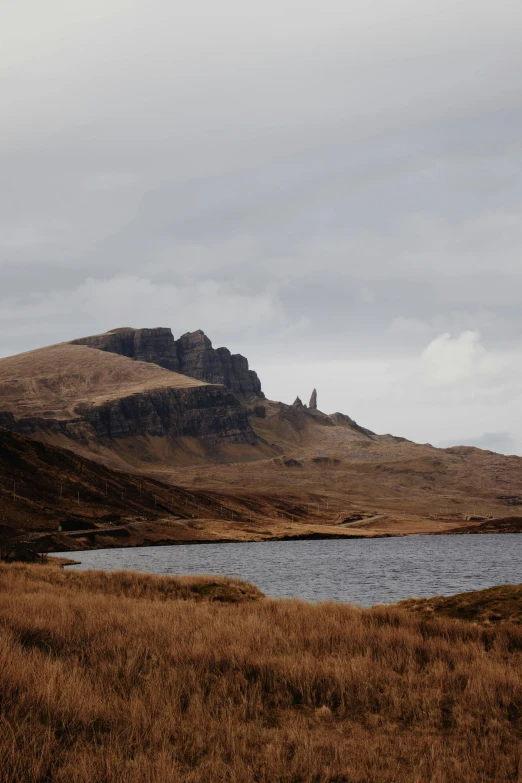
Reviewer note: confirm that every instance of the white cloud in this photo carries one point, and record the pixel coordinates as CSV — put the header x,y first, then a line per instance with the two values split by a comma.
x,y
449,360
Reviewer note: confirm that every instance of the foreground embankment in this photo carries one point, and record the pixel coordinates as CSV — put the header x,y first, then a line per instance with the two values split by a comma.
x,y
126,677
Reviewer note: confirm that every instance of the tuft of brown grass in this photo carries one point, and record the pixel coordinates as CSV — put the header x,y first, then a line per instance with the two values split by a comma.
x,y
493,605
116,677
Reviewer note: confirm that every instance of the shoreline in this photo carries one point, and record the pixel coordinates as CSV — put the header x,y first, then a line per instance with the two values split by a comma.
x,y
287,539
174,534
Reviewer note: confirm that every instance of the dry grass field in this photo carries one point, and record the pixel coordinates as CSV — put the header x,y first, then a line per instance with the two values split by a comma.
x,y
123,677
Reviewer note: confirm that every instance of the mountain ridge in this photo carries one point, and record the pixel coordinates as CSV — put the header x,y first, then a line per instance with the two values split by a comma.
x,y
192,355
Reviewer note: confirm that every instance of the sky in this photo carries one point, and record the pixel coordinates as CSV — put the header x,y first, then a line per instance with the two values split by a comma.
x,y
332,189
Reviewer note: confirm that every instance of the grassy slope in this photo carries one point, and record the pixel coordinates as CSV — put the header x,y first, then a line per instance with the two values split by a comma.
x,y
48,479
113,678
39,486
494,605
416,487
53,381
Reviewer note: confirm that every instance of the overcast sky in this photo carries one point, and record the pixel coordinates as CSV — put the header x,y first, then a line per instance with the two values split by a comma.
x,y
333,189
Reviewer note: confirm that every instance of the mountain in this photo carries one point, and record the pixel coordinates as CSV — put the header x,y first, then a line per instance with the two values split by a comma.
x,y
121,399
117,397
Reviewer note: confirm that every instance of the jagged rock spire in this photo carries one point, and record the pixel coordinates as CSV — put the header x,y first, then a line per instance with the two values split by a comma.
x,y
297,403
313,401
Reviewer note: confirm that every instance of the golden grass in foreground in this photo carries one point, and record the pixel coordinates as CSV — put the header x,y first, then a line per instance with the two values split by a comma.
x,y
104,678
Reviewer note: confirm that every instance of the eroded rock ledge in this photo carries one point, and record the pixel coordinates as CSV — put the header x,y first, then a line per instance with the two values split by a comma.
x,y
206,412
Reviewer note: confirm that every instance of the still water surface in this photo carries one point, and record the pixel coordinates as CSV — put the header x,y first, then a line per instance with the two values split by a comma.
x,y
364,572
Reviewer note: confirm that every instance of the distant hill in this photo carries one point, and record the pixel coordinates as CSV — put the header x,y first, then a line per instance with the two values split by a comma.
x,y
121,399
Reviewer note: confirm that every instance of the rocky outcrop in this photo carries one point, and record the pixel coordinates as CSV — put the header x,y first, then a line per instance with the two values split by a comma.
x,y
209,413
198,359
293,463
313,401
204,412
156,346
192,354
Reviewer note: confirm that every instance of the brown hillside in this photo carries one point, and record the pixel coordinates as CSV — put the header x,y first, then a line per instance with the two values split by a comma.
x,y
43,487
394,486
52,382
303,467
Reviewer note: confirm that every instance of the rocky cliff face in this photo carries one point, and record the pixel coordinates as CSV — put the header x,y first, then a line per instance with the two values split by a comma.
x,y
192,355
156,346
198,359
205,412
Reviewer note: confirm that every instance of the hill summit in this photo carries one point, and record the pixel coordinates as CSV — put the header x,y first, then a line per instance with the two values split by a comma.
x,y
191,354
